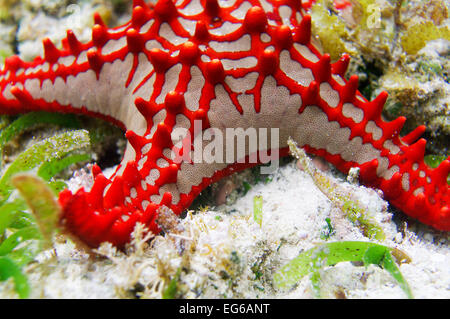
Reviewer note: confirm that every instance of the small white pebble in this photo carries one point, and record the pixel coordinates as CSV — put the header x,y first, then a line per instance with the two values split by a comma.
x,y
398,238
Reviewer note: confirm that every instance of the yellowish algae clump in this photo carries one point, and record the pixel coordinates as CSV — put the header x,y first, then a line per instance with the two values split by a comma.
x,y
416,37
398,46
330,30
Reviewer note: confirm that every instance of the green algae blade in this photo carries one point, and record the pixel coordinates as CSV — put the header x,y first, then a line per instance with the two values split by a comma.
x,y
9,213
50,149
17,238
54,166
33,119
8,269
257,209
171,290
389,264
42,203
329,254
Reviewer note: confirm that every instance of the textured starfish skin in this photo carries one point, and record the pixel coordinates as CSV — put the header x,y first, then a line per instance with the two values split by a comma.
x,y
230,63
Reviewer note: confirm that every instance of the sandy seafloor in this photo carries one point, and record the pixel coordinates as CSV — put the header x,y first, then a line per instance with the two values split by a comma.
x,y
225,252
226,244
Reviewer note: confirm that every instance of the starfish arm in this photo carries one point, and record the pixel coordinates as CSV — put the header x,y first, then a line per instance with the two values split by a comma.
x,y
177,77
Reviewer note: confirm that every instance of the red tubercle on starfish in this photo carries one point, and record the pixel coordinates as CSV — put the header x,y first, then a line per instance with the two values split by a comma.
x,y
338,4
234,64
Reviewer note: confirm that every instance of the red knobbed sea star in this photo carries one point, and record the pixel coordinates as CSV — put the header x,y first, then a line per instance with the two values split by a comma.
x,y
228,64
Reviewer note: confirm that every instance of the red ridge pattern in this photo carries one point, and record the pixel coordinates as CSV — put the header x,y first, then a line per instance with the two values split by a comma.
x,y
239,63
